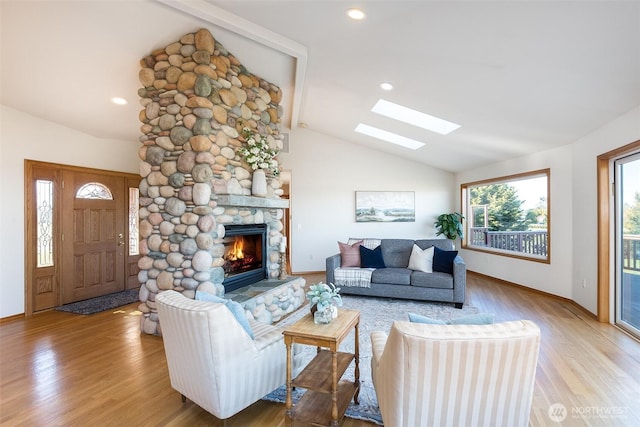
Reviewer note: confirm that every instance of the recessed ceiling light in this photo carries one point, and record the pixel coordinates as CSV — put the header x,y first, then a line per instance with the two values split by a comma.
x,y
388,136
386,86
356,14
413,117
119,101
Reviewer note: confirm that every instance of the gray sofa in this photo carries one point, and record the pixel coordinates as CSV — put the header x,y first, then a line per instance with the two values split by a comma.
x,y
398,281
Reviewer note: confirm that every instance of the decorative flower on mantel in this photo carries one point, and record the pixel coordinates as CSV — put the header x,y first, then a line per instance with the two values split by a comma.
x,y
258,153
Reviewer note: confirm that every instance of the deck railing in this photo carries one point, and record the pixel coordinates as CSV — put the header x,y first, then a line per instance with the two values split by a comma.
x,y
527,242
631,251
535,243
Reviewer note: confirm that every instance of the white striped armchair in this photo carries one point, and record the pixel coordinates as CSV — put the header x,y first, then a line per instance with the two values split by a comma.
x,y
211,358
455,375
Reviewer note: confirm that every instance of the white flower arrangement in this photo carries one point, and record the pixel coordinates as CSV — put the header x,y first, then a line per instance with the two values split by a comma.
x,y
257,153
324,295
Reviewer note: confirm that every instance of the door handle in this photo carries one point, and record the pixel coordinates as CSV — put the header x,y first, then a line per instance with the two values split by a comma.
x,y
120,243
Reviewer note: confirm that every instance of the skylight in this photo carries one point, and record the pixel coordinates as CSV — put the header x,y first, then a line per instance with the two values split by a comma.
x,y
388,136
356,14
413,117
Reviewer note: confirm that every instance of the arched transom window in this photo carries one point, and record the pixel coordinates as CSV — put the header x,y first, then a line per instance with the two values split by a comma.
x,y
94,190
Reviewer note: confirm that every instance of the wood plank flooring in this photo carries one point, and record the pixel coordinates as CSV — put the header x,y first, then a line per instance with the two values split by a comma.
x,y
64,369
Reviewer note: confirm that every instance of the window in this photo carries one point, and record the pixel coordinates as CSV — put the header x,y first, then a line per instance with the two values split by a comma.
x,y
134,200
94,190
509,215
44,219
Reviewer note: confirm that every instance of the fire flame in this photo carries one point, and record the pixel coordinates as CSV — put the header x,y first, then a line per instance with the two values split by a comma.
x,y
238,250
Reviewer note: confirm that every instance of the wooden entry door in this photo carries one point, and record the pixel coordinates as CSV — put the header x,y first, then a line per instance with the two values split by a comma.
x,y
93,235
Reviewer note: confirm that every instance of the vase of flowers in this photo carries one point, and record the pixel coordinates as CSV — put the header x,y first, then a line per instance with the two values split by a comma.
x,y
261,158
259,183
324,299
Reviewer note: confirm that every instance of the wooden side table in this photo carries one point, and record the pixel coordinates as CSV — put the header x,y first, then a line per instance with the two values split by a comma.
x,y
327,397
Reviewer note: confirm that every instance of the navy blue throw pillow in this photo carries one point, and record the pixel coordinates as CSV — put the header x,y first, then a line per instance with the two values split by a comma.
x,y
443,260
371,258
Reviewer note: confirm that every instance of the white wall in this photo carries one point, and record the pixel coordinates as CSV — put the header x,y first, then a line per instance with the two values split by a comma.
x,y
617,133
23,136
554,278
326,173
573,214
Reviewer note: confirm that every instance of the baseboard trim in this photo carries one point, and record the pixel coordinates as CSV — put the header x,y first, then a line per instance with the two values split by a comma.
x,y
302,273
536,291
11,318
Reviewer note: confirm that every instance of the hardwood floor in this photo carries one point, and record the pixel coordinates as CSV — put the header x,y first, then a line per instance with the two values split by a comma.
x,y
64,369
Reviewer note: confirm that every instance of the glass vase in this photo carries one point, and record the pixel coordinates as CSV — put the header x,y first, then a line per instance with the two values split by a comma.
x,y
322,316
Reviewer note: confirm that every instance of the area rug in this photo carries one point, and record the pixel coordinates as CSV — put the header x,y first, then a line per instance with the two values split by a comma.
x,y
98,304
376,314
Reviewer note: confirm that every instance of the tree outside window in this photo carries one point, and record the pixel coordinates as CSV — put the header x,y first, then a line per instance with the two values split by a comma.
x,y
632,216
509,215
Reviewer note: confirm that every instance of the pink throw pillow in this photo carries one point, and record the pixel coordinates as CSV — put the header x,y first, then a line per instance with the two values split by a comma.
x,y
350,254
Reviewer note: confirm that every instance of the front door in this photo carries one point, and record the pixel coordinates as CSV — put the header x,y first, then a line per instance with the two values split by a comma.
x,y
93,235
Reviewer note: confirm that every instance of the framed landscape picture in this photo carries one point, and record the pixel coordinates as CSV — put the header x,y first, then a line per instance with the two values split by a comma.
x,y
385,206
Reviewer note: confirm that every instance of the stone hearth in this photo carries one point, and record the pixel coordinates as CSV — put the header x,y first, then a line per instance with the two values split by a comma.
x,y
197,98
269,301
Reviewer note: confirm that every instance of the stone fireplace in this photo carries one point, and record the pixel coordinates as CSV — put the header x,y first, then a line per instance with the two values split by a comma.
x,y
195,192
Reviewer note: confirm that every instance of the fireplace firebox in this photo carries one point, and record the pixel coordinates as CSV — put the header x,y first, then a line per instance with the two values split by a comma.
x,y
245,247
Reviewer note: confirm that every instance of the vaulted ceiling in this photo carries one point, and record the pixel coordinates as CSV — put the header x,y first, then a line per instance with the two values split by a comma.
x,y
519,77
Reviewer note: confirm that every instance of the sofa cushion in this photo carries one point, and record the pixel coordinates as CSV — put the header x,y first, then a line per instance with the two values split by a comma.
x,y
472,319
419,318
234,307
444,244
367,243
392,276
396,252
443,260
431,280
371,258
349,254
421,260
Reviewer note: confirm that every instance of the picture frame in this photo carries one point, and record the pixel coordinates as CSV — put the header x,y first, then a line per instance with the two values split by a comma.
x,y
385,206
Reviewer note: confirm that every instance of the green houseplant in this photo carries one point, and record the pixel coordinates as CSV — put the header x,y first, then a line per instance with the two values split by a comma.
x,y
449,224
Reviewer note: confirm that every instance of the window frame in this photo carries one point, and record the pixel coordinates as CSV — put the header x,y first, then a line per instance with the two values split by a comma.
x,y
466,211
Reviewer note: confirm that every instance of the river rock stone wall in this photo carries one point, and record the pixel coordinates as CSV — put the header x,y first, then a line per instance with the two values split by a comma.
x,y
196,99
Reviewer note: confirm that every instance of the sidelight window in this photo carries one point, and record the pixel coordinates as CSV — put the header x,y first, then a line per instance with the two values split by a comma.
x,y
44,219
134,242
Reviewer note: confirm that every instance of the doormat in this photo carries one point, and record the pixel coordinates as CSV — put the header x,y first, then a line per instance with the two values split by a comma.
x,y
103,303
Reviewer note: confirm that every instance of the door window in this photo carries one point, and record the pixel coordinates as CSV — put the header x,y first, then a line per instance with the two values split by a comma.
x,y
94,190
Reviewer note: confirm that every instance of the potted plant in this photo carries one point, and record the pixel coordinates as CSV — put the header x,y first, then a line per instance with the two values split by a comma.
x,y
450,224
324,299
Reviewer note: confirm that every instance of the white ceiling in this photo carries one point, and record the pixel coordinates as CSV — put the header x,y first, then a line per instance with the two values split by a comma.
x,y
520,76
